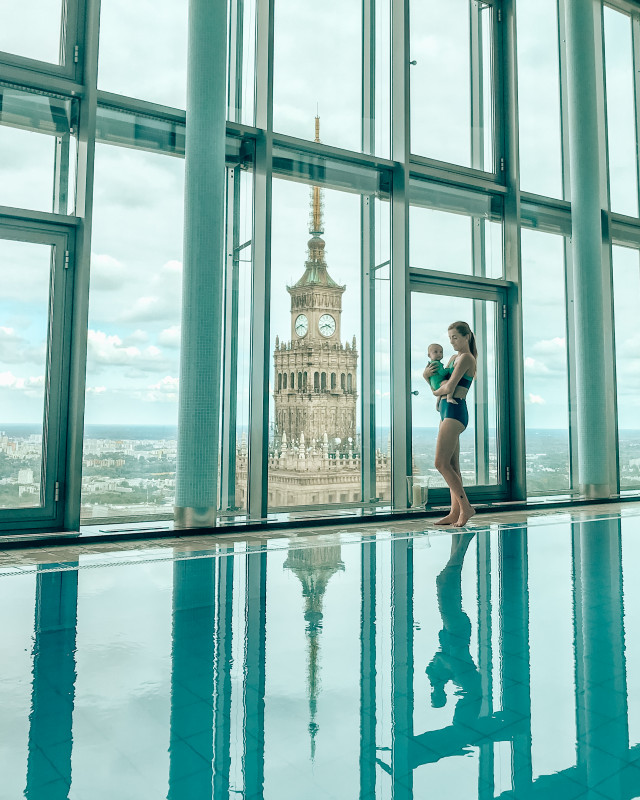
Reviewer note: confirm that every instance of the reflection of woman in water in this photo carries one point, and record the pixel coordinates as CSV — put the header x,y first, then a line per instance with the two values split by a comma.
x,y
454,419
453,661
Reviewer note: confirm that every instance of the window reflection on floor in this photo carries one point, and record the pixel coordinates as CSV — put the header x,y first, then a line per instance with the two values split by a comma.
x,y
498,659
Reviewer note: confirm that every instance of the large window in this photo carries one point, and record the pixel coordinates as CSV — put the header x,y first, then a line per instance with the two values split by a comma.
x,y
315,326
545,363
539,97
626,285
406,195
134,335
38,150
154,37
313,56
452,118
621,124
22,36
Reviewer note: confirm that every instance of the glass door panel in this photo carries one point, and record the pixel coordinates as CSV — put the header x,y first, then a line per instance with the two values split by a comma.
x,y
481,447
31,344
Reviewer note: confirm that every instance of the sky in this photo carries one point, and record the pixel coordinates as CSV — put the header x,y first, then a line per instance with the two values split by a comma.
x,y
134,318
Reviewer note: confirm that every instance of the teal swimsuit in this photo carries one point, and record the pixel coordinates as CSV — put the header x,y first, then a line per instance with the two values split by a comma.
x,y
459,410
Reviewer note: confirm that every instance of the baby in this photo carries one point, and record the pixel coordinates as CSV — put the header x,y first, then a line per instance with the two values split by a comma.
x,y
435,353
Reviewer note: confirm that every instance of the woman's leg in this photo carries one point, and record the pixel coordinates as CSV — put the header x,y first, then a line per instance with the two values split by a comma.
x,y
447,448
453,515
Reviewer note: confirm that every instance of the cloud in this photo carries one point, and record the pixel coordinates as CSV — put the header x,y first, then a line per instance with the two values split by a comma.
x,y
170,337
550,346
536,400
110,350
15,349
161,301
107,273
137,337
96,389
32,387
165,391
548,357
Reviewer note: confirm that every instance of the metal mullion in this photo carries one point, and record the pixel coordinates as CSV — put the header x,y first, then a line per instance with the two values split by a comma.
x,y
74,34
611,439
367,339
568,254
477,105
79,319
478,238
61,174
400,296
261,282
368,75
454,284
228,444
635,34
423,167
367,266
481,398
235,66
19,72
514,368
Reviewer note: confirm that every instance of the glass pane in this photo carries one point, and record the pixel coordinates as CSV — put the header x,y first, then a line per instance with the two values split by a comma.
x,y
539,97
134,335
154,38
315,330
626,294
545,363
431,316
24,324
241,83
20,36
314,56
382,350
451,120
234,461
621,124
37,151
453,242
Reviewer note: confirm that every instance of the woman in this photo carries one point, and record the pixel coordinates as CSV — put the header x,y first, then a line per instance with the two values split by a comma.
x,y
454,419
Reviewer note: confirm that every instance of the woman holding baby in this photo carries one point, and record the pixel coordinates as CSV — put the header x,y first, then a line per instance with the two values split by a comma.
x,y
454,415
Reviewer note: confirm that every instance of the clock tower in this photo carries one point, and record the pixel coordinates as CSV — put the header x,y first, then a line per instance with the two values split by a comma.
x,y
315,373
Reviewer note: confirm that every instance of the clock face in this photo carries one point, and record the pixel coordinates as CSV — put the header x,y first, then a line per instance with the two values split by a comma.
x,y
327,325
301,325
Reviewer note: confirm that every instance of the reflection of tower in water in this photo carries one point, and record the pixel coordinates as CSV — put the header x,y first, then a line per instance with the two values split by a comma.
x,y
314,567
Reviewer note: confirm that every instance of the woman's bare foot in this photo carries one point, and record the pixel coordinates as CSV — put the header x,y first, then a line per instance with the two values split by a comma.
x,y
465,516
451,517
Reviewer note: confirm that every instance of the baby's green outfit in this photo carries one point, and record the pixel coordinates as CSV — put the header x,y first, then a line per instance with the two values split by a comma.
x,y
441,374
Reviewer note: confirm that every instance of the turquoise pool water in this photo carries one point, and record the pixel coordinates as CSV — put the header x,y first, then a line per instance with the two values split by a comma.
x,y
367,663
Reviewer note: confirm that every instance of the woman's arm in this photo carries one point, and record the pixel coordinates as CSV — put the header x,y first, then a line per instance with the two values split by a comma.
x,y
464,363
429,371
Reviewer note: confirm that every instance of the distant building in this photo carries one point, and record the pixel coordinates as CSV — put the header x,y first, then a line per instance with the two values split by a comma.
x,y
25,477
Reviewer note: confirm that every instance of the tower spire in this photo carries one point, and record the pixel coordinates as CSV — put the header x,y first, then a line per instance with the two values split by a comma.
x,y
317,225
